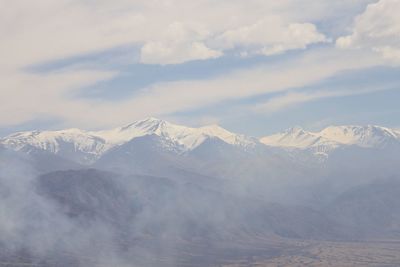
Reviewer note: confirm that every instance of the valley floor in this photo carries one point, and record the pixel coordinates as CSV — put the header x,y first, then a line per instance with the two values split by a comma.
x,y
272,253
332,254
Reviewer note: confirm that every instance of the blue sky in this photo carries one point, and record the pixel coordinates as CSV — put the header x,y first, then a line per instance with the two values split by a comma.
x,y
254,67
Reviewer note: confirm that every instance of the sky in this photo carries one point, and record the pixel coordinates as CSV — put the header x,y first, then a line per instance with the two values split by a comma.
x,y
252,66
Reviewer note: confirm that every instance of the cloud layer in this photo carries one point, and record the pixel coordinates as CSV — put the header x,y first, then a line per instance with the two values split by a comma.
x,y
377,29
166,32
45,30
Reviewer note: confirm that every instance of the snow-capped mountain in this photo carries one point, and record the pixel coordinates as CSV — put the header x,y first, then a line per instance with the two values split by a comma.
x,y
363,136
86,147
73,144
369,136
319,145
186,138
298,138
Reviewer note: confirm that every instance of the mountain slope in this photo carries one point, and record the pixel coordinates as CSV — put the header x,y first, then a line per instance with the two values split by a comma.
x,y
152,144
323,143
86,147
372,210
296,137
73,144
363,136
179,137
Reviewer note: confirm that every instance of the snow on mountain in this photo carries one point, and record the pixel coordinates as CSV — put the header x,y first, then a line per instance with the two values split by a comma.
x,y
88,146
186,137
296,137
50,140
226,136
70,143
332,137
397,132
363,136
93,144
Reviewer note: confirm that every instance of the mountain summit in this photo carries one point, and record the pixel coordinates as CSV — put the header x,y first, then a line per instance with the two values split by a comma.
x,y
364,136
370,136
86,147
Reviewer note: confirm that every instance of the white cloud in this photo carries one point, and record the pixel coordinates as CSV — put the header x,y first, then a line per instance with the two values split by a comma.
x,y
389,52
271,36
288,100
377,29
175,53
168,32
292,99
37,31
169,97
24,97
179,43
27,96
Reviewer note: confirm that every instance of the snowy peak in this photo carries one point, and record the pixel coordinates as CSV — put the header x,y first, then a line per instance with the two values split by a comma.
x,y
296,137
186,137
72,144
149,125
369,136
226,136
363,136
53,140
137,129
296,130
87,146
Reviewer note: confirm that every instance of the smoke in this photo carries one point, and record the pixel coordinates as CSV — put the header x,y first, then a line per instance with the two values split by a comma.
x,y
94,218
35,230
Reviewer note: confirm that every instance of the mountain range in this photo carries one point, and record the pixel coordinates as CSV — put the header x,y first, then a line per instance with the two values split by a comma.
x,y
342,156
86,147
157,194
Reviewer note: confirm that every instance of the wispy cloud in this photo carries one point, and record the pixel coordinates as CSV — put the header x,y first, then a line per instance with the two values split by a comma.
x,y
376,29
292,99
36,32
44,30
50,93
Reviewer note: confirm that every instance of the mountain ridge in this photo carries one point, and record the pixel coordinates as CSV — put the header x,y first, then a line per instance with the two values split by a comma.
x,y
93,144
88,146
363,136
